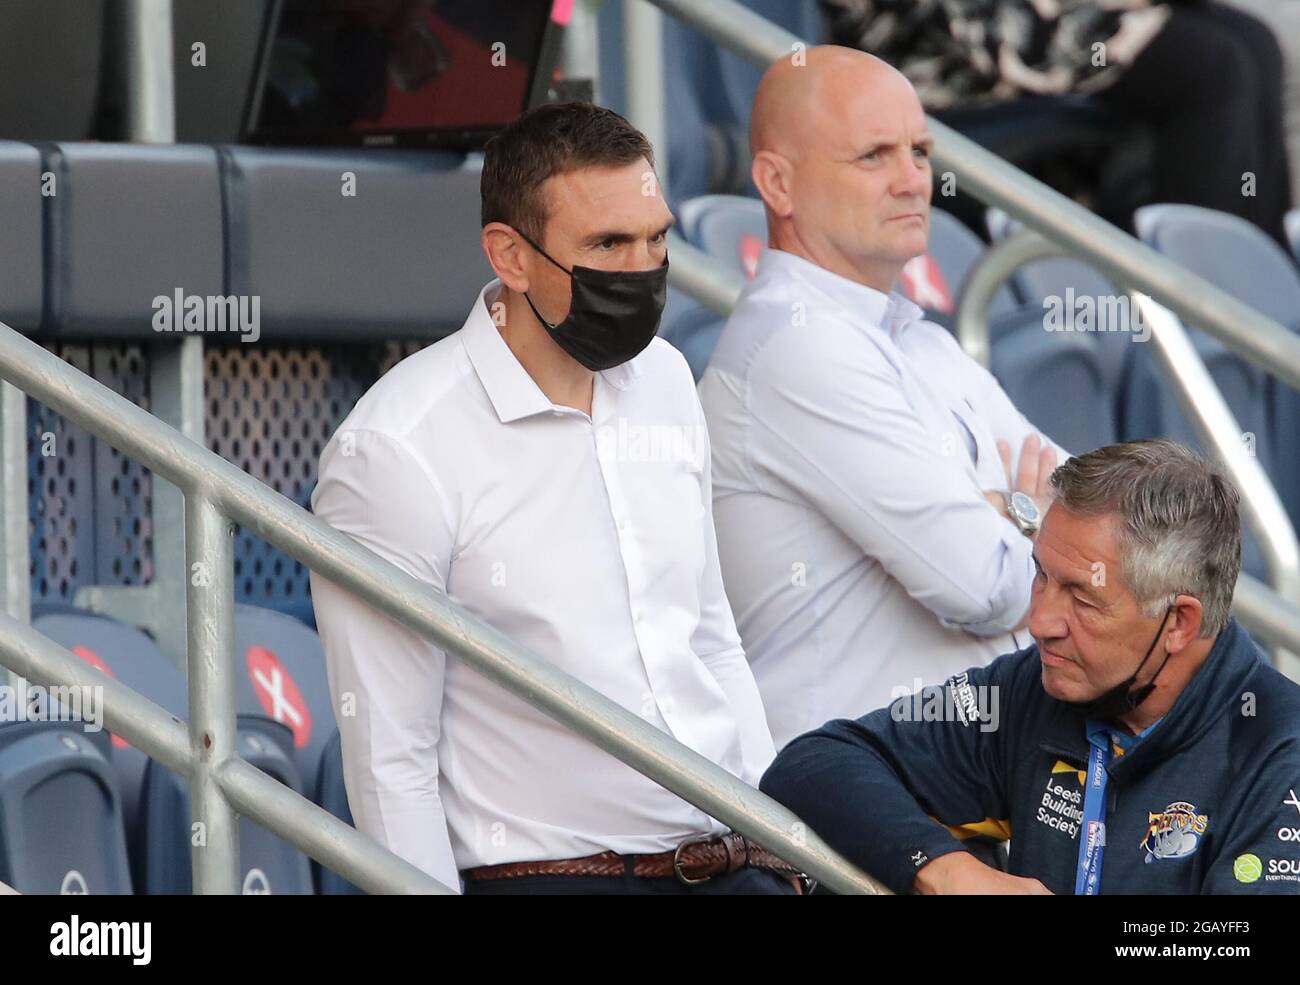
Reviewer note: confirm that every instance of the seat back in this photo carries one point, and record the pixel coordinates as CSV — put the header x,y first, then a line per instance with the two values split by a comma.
x,y
332,794
280,674
128,655
267,864
1056,380
61,826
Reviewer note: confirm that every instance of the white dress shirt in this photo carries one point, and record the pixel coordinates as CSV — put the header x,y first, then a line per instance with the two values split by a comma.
x,y
852,443
588,540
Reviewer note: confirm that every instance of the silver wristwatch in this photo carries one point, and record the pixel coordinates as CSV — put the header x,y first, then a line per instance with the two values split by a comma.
x,y
1023,512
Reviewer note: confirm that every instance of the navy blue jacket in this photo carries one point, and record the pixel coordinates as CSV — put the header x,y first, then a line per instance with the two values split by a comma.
x,y
1205,803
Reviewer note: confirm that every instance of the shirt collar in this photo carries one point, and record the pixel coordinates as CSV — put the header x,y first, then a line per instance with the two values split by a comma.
x,y
513,393
891,313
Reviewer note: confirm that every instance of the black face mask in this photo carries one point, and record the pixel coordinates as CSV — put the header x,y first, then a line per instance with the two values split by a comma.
x,y
613,315
1119,700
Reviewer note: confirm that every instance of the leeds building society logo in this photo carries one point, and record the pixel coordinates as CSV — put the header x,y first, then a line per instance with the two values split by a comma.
x,y
1174,832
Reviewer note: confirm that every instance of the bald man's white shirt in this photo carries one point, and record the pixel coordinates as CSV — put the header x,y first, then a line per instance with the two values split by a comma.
x,y
852,443
589,540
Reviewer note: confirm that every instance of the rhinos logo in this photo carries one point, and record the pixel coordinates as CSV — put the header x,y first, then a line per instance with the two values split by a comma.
x,y
1175,832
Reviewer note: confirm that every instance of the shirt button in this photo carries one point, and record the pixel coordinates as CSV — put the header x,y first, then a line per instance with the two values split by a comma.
x,y
622,524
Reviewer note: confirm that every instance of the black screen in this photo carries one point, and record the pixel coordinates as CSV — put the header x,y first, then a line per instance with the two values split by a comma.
x,y
431,73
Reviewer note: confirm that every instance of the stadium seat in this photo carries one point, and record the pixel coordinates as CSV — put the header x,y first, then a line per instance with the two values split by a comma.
x,y
1236,256
129,223
267,865
385,254
332,795
1064,278
21,290
730,228
694,332
280,673
128,655
733,229
954,250
60,813
1056,380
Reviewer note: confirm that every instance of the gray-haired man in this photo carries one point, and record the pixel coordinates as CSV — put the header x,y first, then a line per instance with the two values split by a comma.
x,y
1143,730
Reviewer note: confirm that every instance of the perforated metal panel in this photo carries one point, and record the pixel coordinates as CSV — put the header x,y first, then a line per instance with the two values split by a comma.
x,y
269,410
60,496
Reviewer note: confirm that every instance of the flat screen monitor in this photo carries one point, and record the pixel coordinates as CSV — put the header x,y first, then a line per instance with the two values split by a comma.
x,y
410,73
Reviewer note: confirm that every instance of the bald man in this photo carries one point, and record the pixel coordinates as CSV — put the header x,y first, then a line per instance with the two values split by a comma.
x,y
875,491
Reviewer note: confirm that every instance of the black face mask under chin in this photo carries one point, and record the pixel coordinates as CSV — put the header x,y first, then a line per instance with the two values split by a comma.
x,y
1119,700
614,314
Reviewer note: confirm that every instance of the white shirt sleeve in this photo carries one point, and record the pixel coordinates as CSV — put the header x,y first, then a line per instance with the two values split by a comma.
x,y
717,642
843,436
385,680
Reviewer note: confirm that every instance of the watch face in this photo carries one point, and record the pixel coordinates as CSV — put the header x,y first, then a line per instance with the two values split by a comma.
x,y
1024,507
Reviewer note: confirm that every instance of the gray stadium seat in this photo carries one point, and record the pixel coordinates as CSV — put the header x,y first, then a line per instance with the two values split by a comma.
x,y
1237,257
1057,277
730,228
332,794
129,223
21,246
1056,380
956,250
395,261
280,673
267,865
733,228
60,814
128,655
694,332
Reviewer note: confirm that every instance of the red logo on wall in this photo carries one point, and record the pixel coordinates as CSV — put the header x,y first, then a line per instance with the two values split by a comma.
x,y
278,693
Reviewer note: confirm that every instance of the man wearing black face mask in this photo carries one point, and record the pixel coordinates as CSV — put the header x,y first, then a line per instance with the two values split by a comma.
x,y
547,468
1142,745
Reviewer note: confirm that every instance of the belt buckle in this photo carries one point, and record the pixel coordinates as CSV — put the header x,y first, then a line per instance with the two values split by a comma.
x,y
684,879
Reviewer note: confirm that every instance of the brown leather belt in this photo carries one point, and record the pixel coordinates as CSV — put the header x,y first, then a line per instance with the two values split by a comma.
x,y
691,863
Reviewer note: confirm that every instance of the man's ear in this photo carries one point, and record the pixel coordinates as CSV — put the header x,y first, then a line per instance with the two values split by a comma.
x,y
1185,626
772,177
501,244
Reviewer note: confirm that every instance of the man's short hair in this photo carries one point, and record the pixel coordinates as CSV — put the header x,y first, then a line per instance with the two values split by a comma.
x,y
1179,529
551,139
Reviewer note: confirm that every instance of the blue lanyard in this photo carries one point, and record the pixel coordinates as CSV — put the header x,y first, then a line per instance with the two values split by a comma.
x,y
1092,835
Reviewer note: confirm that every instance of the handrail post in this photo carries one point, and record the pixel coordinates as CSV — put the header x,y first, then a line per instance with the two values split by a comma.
x,y
210,611
643,59
15,551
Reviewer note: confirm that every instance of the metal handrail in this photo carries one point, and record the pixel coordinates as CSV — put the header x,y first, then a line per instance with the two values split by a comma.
x,y
217,493
1205,408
